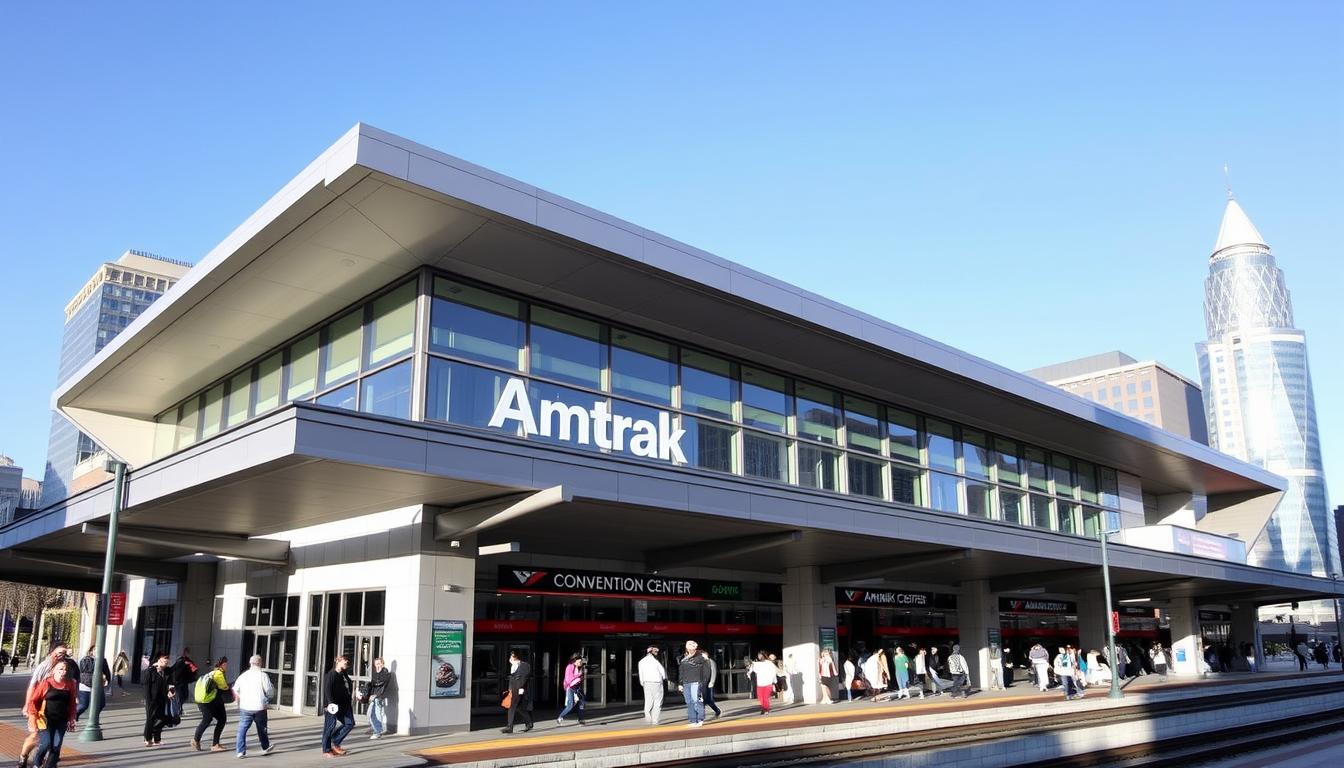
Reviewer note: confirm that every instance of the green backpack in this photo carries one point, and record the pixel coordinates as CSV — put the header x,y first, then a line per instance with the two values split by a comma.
x,y
205,688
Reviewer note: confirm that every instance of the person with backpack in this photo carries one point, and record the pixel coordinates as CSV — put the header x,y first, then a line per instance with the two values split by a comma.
x,y
88,669
211,691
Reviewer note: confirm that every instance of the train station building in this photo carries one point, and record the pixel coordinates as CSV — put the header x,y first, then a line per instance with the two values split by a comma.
x,y
415,409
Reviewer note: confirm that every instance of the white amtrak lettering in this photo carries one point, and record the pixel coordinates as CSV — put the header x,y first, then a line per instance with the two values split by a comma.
x,y
596,425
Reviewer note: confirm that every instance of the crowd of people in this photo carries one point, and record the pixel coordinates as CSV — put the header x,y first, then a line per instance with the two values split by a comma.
x,y
60,690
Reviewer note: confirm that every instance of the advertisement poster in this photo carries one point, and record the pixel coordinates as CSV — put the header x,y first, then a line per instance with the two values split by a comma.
x,y
826,639
447,645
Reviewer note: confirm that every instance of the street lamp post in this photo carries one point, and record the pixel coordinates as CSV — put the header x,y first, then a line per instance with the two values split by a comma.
x,y
93,731
1110,624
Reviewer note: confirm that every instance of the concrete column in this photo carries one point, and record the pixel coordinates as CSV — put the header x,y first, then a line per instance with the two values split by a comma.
x,y
1092,618
1186,648
977,614
809,605
446,590
196,605
1245,629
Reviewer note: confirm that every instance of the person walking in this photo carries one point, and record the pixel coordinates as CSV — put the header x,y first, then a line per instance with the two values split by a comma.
x,y
764,670
956,667
653,679
253,691
339,719
573,683
1063,664
55,658
89,675
519,692
50,707
376,694
1301,652
159,692
709,688
120,668
1040,664
922,673
829,674
902,664
182,674
1159,657
692,677
851,672
210,694
875,670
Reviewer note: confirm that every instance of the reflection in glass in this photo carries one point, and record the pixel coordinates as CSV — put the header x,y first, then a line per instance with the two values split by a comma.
x,y
302,369
1061,471
393,326
817,467
977,500
1040,511
975,453
642,368
1087,480
906,485
944,492
863,428
240,398
344,338
1108,483
942,445
477,325
567,348
464,394
765,456
708,445
903,428
388,392
1012,507
1036,471
341,397
765,404
268,383
707,386
1009,462
1068,517
865,477
818,413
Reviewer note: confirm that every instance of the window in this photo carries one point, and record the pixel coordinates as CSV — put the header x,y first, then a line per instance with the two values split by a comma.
x,y
1115,392
342,348
268,383
393,326
1147,402
765,403
1130,388
477,325
863,428
388,392
903,429
1061,471
975,453
1041,513
865,477
707,386
1036,472
1147,386
464,394
302,369
343,397
642,368
709,445
817,467
567,348
977,500
765,456
1012,507
1101,395
212,411
1132,405
940,441
907,485
1068,521
1008,460
818,413
1087,481
240,398
944,492
188,423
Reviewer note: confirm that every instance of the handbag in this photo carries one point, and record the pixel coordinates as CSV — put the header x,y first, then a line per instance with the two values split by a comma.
x,y
225,695
859,684
508,699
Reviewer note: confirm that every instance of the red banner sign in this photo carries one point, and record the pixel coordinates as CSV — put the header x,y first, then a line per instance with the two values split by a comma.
x,y
1115,621
116,608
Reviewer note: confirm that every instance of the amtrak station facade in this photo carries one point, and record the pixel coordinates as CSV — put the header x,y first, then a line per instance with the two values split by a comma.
x,y
415,409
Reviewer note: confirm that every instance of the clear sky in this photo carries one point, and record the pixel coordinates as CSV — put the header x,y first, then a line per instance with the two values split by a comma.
x,y
1028,182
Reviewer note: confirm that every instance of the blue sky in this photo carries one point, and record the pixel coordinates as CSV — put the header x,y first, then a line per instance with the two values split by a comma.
x,y
1030,183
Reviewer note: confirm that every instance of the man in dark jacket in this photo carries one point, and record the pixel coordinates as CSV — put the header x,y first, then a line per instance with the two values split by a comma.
x,y
158,689
692,678
339,717
520,692
88,677
183,676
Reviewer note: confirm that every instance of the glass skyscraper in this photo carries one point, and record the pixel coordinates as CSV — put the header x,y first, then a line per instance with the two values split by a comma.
x,y
1257,394
116,294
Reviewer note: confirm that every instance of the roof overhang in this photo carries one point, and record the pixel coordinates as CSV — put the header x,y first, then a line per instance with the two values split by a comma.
x,y
374,207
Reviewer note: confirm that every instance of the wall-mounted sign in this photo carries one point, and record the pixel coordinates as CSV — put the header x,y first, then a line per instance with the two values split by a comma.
x,y
884,598
1131,610
1023,605
826,639
1215,616
566,581
447,648
588,426
116,609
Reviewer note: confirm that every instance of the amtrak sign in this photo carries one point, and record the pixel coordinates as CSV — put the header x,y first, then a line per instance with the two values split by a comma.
x,y
588,426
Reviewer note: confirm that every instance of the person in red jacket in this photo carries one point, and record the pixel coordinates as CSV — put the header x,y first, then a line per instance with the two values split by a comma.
x,y
51,712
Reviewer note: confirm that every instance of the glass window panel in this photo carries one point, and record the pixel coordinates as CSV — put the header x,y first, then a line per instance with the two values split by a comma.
x,y
302,369
907,486
863,428
765,404
1109,487
865,477
1037,477
944,492
642,368
903,429
344,337
393,327
240,398
707,385
636,433
165,430
475,324
709,445
1061,471
268,383
341,397
373,607
570,426
212,411
818,467
388,392
188,423
315,611
818,413
292,614
765,456
354,609
1012,507
1040,511
1068,517
1087,481
1092,522
1009,461
940,440
567,348
975,453
464,394
977,500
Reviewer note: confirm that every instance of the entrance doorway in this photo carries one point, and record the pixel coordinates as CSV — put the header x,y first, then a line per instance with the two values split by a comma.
x,y
490,672
606,678
361,647
732,658
153,635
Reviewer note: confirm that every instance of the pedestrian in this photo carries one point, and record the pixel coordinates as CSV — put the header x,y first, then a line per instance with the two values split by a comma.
x,y
692,677
1159,657
88,671
339,718
780,680
183,674
55,658
1301,651
902,664
1063,665
158,695
764,670
120,668
956,667
1079,671
50,707
653,679
376,695
253,691
922,673
1322,656
1040,664
212,692
875,672
14,663
851,671
573,683
829,674
713,678
1122,663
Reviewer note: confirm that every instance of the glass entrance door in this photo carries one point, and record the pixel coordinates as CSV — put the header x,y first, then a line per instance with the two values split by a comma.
x,y
732,657
361,647
594,680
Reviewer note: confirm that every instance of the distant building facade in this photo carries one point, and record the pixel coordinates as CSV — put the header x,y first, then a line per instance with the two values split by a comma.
x,y
1146,390
1258,396
11,489
109,301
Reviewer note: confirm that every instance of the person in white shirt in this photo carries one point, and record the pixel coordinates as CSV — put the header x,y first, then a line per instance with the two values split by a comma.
x,y
653,678
253,691
765,672
850,672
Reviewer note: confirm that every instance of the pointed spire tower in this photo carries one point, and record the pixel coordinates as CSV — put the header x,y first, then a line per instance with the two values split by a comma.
x,y
1257,393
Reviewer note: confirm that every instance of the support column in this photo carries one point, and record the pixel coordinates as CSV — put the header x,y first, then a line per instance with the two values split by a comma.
x,y
1245,629
809,605
977,615
1092,618
196,601
1186,652
446,590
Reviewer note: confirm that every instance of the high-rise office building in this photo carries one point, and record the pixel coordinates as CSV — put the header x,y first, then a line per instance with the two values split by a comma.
x,y
1144,389
113,297
1257,394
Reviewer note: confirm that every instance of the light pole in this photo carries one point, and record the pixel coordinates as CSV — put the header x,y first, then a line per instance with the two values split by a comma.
x,y
1110,625
93,731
